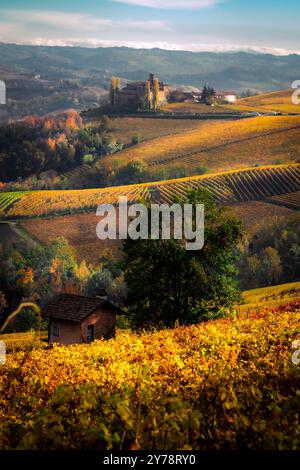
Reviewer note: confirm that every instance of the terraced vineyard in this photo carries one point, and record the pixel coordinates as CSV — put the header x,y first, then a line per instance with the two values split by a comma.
x,y
221,146
8,199
277,101
77,171
291,200
227,188
242,186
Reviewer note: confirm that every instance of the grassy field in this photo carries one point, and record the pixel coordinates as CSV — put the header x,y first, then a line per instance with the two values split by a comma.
x,y
227,188
277,101
221,145
268,297
218,385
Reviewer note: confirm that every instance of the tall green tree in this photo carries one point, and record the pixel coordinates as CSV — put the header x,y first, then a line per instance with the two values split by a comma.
x,y
166,283
208,95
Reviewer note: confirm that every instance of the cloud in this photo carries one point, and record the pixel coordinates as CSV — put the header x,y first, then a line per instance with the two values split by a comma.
x,y
172,4
94,42
145,25
79,21
57,19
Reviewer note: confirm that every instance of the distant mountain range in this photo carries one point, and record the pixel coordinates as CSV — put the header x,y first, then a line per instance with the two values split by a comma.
x,y
94,66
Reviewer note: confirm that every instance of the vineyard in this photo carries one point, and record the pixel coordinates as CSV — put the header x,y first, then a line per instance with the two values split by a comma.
x,y
20,341
277,101
147,129
79,230
8,199
253,213
198,108
291,200
225,384
269,297
81,169
221,145
226,187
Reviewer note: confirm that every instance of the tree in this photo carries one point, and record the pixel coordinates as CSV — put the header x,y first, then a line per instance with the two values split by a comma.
x,y
271,266
103,278
208,95
156,94
148,95
106,123
272,255
136,139
114,91
131,173
166,283
3,305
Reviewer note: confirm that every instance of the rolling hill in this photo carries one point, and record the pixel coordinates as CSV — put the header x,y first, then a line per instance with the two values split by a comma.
x,y
148,129
229,187
291,200
94,66
278,101
221,145
267,297
79,229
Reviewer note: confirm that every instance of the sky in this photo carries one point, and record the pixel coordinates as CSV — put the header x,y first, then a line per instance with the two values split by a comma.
x,y
267,26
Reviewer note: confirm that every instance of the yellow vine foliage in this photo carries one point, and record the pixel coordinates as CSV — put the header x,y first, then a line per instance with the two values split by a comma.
x,y
227,187
225,384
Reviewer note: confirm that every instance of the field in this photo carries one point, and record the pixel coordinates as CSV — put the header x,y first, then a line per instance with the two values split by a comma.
x,y
253,213
269,297
23,341
198,108
227,188
288,200
278,101
226,384
147,129
79,230
221,145
7,199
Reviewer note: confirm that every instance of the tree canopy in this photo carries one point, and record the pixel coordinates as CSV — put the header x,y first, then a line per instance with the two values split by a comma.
x,y
166,283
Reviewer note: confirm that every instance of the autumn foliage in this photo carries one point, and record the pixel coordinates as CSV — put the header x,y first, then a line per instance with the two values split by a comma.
x,y
225,384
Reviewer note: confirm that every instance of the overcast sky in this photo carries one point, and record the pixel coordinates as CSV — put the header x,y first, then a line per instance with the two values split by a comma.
x,y
261,25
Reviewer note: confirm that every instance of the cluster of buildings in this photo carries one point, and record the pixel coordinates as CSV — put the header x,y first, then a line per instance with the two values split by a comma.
x,y
135,92
138,91
196,96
